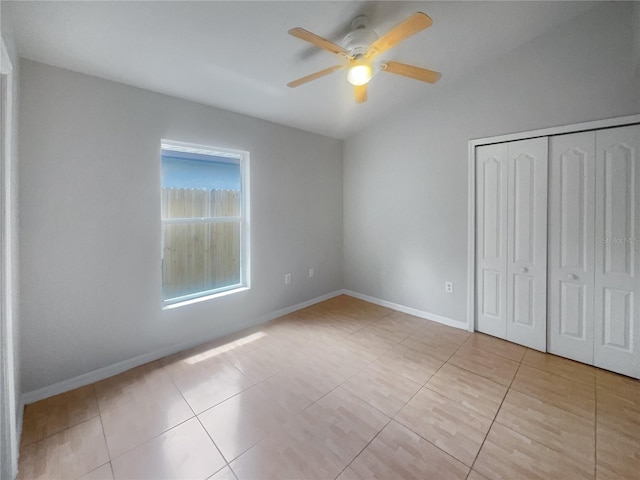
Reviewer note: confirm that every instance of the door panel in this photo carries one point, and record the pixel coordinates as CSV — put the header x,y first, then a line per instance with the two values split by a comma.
x,y
574,166
571,245
616,318
573,306
617,252
523,204
527,242
523,300
617,209
491,214
491,293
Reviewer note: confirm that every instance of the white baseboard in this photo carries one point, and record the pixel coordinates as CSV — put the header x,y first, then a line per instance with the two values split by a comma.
x,y
116,368
408,310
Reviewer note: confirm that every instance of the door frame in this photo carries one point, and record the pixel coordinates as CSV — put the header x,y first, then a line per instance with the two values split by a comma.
x,y
471,199
8,408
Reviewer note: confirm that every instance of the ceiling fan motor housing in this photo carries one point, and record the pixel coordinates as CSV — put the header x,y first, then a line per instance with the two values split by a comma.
x,y
358,40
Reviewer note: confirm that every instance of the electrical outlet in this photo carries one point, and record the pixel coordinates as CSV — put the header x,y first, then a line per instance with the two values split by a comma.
x,y
287,278
311,272
448,287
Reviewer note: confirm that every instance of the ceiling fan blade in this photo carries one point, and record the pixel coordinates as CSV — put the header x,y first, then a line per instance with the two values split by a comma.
x,y
360,93
318,41
314,76
410,71
415,23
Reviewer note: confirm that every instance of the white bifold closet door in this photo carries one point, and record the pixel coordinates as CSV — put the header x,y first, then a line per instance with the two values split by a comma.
x,y
511,239
594,249
571,245
617,254
491,239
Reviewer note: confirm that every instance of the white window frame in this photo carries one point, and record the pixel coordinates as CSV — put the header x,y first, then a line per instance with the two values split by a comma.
x,y
242,157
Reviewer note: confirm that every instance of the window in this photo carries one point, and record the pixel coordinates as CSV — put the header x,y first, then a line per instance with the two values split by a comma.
x,y
204,221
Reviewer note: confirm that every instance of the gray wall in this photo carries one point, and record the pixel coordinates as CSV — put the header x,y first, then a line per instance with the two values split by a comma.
x,y
11,171
405,180
90,221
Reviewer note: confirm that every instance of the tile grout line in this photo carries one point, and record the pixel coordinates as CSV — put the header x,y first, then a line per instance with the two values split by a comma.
x,y
215,445
113,475
481,376
496,415
362,400
521,363
64,429
370,362
345,381
555,374
393,419
365,401
564,410
104,434
510,388
197,418
155,436
365,447
475,332
446,362
99,416
408,428
548,403
318,399
69,426
93,469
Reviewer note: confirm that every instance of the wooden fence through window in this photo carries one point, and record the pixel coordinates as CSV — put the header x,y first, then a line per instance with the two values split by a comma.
x,y
200,255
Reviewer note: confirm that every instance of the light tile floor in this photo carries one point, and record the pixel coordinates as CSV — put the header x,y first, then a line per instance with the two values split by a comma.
x,y
343,389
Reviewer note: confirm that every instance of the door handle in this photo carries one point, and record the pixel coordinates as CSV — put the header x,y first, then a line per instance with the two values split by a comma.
x,y
524,269
571,276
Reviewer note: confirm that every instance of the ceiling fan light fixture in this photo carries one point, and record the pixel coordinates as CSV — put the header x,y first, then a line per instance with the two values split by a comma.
x,y
361,47
359,74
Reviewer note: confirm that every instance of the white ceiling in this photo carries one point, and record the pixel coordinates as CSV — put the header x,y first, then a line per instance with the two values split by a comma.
x,y
238,56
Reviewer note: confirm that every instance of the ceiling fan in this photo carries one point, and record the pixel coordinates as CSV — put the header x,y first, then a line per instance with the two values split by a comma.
x,y
361,48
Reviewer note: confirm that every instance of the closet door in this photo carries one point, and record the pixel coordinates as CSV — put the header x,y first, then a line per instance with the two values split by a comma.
x,y
527,243
491,239
617,253
571,245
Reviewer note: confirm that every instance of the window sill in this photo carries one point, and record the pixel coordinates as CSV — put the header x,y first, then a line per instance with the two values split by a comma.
x,y
191,301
